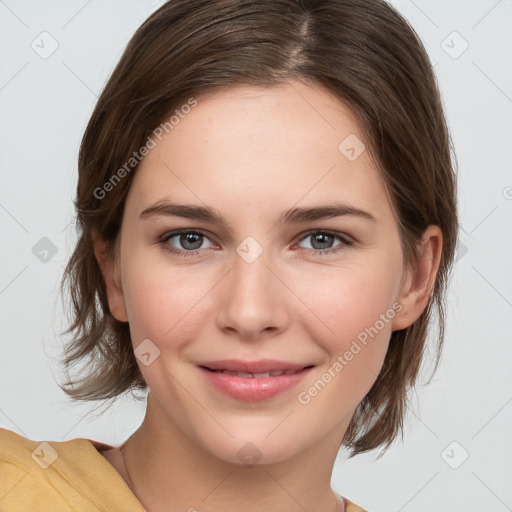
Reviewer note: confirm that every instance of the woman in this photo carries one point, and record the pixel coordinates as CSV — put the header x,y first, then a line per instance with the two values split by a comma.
x,y
267,213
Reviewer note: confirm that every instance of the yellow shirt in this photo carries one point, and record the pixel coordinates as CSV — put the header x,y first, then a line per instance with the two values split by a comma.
x,y
67,476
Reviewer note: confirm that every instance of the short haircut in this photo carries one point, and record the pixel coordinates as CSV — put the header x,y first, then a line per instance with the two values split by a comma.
x,y
362,51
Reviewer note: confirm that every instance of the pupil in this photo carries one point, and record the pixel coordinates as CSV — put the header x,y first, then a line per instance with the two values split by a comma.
x,y
320,238
188,238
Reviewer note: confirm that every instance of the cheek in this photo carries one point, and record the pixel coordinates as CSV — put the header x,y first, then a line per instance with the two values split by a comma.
x,y
354,309
163,301
348,301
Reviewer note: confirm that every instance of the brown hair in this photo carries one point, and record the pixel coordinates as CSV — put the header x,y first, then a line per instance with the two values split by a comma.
x,y
368,56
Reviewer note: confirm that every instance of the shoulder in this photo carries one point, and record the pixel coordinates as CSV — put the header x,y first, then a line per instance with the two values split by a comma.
x,y
14,446
352,507
51,475
35,473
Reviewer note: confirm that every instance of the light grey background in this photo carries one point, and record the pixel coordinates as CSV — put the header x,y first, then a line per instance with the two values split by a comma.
x,y
44,106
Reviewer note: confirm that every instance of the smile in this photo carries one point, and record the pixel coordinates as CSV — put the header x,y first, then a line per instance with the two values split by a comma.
x,y
253,380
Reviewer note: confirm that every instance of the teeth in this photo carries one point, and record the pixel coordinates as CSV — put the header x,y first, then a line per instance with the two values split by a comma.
x,y
262,375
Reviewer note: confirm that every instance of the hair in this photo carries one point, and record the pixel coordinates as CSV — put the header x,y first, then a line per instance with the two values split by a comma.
x,y
368,56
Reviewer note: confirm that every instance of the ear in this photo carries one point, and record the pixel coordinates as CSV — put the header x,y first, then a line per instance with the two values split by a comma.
x,y
418,283
111,275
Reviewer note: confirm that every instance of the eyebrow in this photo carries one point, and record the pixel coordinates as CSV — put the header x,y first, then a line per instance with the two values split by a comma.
x,y
292,216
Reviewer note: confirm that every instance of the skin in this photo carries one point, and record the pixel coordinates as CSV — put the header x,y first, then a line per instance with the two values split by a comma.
x,y
252,153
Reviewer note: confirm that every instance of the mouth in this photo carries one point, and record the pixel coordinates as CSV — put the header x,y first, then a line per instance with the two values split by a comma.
x,y
261,375
256,367
253,380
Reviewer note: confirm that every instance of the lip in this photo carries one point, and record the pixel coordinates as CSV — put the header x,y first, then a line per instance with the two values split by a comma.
x,y
251,389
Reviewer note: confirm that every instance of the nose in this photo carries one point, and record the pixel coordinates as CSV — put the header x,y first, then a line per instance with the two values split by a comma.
x,y
253,299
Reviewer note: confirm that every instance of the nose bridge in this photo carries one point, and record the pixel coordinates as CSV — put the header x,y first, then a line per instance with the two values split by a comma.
x,y
253,297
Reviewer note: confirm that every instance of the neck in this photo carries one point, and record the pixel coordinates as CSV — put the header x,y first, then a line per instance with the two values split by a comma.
x,y
167,471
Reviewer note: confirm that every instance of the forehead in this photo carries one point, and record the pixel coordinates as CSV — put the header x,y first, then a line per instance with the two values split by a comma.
x,y
262,147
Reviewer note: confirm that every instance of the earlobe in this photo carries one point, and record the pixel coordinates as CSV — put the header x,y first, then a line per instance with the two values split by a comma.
x,y
419,281
111,276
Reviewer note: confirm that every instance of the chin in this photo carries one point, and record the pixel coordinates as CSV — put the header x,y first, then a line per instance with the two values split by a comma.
x,y
258,448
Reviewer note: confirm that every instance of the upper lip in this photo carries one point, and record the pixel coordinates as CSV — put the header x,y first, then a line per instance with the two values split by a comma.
x,y
260,366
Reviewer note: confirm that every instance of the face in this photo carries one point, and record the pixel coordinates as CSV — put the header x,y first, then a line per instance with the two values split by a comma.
x,y
290,252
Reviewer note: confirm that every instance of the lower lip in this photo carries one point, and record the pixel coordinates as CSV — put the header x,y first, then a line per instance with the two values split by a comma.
x,y
252,389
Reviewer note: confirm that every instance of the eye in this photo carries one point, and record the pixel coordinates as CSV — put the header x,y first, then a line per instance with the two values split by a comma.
x,y
322,241
189,242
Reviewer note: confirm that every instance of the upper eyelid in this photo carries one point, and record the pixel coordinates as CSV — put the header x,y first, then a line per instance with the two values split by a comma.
x,y
332,232
171,234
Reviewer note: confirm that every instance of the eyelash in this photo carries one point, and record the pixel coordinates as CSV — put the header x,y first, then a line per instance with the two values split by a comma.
x,y
346,242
